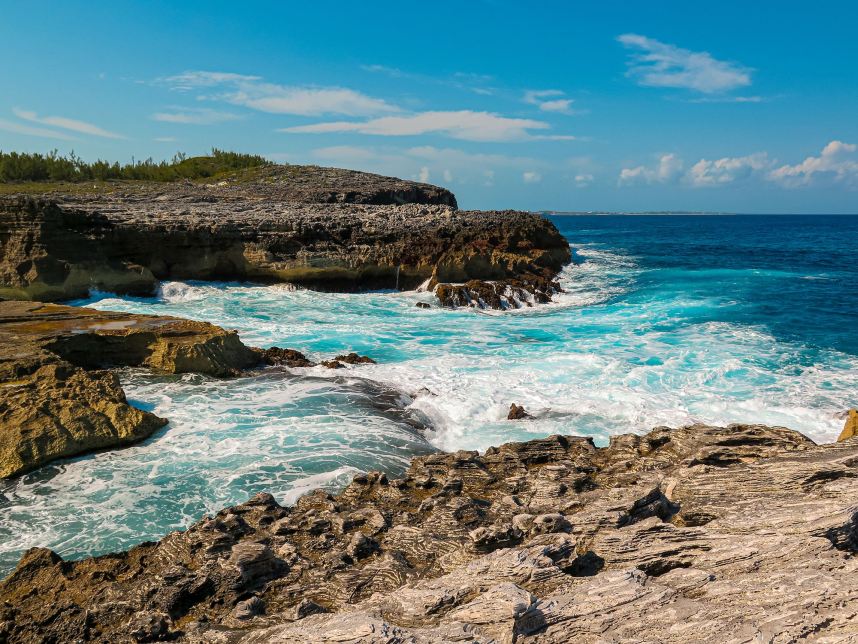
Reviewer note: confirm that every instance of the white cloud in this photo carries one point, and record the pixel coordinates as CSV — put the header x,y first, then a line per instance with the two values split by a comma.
x,y
668,168
423,177
66,124
549,100
463,124
707,173
583,180
448,176
20,128
531,177
165,139
252,92
490,178
662,65
194,116
835,162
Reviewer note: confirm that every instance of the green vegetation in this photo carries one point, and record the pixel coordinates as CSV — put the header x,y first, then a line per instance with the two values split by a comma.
x,y
20,167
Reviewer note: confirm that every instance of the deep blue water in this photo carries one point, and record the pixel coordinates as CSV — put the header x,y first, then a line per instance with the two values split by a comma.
x,y
794,274
664,321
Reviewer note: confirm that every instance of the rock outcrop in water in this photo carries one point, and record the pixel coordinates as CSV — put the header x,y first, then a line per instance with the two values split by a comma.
x,y
55,400
346,231
745,533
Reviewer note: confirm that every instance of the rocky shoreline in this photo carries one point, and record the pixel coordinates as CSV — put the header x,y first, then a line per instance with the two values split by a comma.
x,y
728,534
743,533
270,225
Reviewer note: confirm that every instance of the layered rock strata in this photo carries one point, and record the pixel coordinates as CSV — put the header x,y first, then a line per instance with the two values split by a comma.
x,y
269,228
744,533
56,400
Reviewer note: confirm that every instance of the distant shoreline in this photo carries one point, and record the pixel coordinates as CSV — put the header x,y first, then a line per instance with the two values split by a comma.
x,y
680,213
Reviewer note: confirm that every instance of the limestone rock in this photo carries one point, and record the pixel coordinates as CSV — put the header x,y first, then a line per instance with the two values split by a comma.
x,y
739,533
62,245
850,429
56,402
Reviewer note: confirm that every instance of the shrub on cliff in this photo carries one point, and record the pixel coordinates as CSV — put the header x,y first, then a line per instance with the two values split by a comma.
x,y
17,166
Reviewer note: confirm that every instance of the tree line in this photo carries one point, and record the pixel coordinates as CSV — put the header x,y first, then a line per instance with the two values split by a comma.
x,y
18,166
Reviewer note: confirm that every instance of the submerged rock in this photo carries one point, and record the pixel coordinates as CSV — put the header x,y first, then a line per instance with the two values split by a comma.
x,y
692,534
517,412
287,357
55,400
353,358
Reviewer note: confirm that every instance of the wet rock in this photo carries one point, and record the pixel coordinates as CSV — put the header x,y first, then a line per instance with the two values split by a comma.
x,y
332,364
517,412
850,429
287,357
423,305
353,358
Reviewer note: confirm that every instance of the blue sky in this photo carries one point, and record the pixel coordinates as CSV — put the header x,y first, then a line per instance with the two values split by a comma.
x,y
736,106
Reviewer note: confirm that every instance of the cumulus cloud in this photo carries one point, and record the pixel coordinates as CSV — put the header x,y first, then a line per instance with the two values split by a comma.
x,y
549,100
668,168
463,124
194,116
658,64
583,180
254,93
836,161
423,176
531,177
64,123
707,173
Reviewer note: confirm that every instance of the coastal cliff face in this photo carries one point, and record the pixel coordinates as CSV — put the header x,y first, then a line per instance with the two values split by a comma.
x,y
56,400
741,533
268,229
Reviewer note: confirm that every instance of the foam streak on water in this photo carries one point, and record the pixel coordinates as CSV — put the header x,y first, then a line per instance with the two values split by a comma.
x,y
640,338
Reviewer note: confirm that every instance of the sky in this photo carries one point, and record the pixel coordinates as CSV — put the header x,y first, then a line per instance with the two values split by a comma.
x,y
580,106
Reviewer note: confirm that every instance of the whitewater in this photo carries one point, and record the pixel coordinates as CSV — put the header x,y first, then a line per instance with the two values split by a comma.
x,y
648,331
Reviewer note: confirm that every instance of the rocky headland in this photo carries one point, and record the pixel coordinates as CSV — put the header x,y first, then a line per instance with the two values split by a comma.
x,y
57,395
315,227
736,534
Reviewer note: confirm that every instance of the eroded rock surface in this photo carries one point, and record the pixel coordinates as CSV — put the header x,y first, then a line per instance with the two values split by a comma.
x,y
271,227
745,533
55,400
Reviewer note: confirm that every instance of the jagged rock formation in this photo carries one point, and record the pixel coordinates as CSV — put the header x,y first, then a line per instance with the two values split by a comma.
x,y
52,403
850,427
267,227
745,533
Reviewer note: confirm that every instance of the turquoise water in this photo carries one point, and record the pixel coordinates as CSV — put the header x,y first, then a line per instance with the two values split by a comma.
x,y
665,321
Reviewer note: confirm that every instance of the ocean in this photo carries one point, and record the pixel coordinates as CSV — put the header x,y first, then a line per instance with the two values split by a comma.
x,y
665,320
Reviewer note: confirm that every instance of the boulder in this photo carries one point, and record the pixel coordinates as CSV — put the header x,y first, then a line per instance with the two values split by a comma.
x,y
850,429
